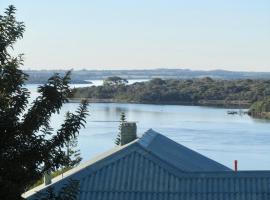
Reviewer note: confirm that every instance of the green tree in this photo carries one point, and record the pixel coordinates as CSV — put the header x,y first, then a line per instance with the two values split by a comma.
x,y
122,120
73,153
28,145
115,81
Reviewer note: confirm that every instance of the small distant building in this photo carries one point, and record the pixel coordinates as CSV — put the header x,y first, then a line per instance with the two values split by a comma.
x,y
156,168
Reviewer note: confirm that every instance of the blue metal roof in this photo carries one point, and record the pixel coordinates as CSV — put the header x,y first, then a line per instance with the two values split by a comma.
x,y
140,171
178,155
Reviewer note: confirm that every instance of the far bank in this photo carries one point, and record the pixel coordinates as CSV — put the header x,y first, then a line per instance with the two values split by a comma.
x,y
205,92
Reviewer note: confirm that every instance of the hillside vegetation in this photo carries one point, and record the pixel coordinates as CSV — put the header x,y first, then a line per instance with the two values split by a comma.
x,y
260,109
205,91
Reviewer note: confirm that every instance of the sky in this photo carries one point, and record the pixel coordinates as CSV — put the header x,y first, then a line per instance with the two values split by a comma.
x,y
144,34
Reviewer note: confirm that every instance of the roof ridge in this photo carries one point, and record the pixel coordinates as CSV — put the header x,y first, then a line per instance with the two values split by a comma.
x,y
154,142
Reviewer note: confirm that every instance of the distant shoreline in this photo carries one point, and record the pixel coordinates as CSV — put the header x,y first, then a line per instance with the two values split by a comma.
x,y
199,92
77,76
212,103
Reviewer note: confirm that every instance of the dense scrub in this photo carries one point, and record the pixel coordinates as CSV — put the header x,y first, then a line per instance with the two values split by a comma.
x,y
205,91
260,109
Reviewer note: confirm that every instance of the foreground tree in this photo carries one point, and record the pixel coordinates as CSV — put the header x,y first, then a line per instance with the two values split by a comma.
x,y
73,153
68,192
118,137
28,146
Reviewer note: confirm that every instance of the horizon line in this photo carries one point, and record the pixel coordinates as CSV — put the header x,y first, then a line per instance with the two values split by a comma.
x,y
136,69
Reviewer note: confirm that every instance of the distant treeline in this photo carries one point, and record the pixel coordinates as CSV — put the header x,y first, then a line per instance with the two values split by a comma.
x,y
205,91
79,76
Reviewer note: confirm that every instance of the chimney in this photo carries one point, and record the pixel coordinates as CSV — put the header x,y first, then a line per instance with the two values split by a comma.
x,y
47,178
235,165
128,132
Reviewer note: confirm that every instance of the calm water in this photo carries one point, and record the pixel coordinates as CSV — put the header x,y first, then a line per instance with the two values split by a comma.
x,y
207,130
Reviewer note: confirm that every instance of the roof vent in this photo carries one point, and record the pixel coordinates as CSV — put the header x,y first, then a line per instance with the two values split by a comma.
x,y
128,132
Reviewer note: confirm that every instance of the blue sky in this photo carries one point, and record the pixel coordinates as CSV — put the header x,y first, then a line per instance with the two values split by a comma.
x,y
144,34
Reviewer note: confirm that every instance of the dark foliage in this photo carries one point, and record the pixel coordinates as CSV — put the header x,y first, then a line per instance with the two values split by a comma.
x,y
189,91
73,153
260,109
28,146
68,192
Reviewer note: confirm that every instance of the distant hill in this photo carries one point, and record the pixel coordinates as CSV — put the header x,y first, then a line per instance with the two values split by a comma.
x,y
79,76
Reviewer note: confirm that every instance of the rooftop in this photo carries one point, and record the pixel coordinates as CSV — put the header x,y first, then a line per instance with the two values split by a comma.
x,y
155,167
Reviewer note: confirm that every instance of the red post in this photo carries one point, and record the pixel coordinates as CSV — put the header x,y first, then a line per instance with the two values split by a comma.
x,y
235,165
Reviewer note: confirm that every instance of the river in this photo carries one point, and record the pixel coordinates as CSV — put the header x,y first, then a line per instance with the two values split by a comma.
x,y
208,130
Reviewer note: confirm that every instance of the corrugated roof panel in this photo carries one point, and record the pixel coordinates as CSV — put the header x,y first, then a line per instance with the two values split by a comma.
x,y
219,185
178,155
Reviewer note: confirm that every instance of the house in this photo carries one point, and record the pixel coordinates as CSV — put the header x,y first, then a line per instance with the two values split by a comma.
x,y
154,167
